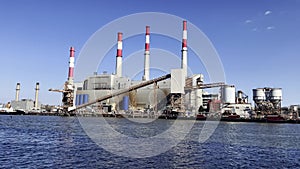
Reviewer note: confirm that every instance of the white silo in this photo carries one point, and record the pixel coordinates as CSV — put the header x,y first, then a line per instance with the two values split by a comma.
x,y
276,94
228,94
276,97
259,95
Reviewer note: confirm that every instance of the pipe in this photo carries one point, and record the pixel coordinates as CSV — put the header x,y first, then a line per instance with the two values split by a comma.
x,y
147,54
119,56
37,88
184,49
17,91
71,65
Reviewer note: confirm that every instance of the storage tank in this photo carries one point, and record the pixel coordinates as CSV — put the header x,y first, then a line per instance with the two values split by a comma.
x,y
125,103
85,98
80,99
228,94
240,94
77,100
276,94
259,95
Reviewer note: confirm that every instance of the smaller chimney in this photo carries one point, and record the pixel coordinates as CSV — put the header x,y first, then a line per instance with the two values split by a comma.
x,y
17,91
37,88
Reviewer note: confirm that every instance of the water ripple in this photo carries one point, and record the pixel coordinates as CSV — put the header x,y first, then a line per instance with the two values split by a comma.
x,y
57,142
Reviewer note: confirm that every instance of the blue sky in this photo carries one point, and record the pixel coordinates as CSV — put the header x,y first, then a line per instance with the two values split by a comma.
x,y
258,41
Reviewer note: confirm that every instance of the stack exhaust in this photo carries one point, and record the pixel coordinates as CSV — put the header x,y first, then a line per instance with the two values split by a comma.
x,y
184,49
119,56
71,65
37,88
17,91
147,55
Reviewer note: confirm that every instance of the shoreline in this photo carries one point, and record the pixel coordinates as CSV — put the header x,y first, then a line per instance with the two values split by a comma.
x,y
261,120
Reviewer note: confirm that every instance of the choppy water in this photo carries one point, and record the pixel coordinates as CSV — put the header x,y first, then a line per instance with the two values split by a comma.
x,y
59,142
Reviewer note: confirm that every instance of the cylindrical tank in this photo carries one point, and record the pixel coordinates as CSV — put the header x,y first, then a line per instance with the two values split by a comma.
x,y
228,94
246,100
85,98
276,94
77,100
240,94
125,102
80,99
259,95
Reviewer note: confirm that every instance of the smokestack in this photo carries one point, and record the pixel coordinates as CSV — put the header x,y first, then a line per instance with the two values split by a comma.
x,y
119,56
71,65
184,50
17,91
147,54
37,88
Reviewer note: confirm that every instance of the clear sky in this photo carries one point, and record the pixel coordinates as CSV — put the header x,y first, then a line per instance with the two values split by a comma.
x,y
258,41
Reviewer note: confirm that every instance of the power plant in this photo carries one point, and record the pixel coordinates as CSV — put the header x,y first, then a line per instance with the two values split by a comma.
x,y
176,94
26,105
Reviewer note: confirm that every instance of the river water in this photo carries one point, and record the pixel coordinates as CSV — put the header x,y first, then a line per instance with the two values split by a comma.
x,y
61,142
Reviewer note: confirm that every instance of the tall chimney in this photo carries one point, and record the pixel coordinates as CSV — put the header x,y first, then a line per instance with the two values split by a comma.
x,y
71,65
184,49
17,91
119,56
37,88
147,54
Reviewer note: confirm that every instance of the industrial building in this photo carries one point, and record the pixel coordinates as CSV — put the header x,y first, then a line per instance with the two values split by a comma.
x,y
26,105
180,92
176,92
267,100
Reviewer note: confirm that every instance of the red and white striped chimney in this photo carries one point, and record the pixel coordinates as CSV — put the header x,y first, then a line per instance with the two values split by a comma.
x,y
147,55
119,56
71,65
184,49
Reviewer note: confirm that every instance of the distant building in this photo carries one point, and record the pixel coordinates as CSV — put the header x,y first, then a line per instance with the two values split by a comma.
x,y
24,104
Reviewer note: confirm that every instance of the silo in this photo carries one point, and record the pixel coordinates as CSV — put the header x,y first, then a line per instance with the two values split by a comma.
x,y
259,95
228,94
276,97
276,94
